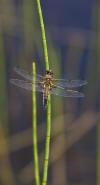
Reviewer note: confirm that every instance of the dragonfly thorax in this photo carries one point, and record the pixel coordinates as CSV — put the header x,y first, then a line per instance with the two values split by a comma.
x,y
47,83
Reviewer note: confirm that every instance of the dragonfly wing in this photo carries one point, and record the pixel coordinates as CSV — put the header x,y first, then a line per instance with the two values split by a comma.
x,y
27,75
69,83
26,85
66,93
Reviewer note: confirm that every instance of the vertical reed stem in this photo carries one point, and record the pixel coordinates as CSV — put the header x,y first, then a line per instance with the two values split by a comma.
x,y
48,129
47,143
35,150
43,35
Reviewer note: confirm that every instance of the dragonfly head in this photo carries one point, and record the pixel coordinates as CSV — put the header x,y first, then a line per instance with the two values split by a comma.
x,y
49,72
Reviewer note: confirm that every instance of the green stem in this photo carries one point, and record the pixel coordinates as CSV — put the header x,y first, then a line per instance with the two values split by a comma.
x,y
35,150
47,143
43,36
48,129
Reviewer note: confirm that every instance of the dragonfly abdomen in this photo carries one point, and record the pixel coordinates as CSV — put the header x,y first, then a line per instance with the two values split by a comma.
x,y
45,96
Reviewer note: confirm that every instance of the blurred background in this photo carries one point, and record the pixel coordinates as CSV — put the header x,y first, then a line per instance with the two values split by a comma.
x,y
73,39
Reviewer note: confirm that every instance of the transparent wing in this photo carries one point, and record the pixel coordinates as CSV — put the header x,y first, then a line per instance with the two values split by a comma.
x,y
66,93
28,76
26,85
69,83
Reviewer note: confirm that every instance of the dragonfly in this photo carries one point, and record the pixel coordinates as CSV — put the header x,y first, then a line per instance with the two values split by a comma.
x,y
47,84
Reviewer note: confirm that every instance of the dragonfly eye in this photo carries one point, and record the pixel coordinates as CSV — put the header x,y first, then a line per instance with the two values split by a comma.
x,y
49,72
